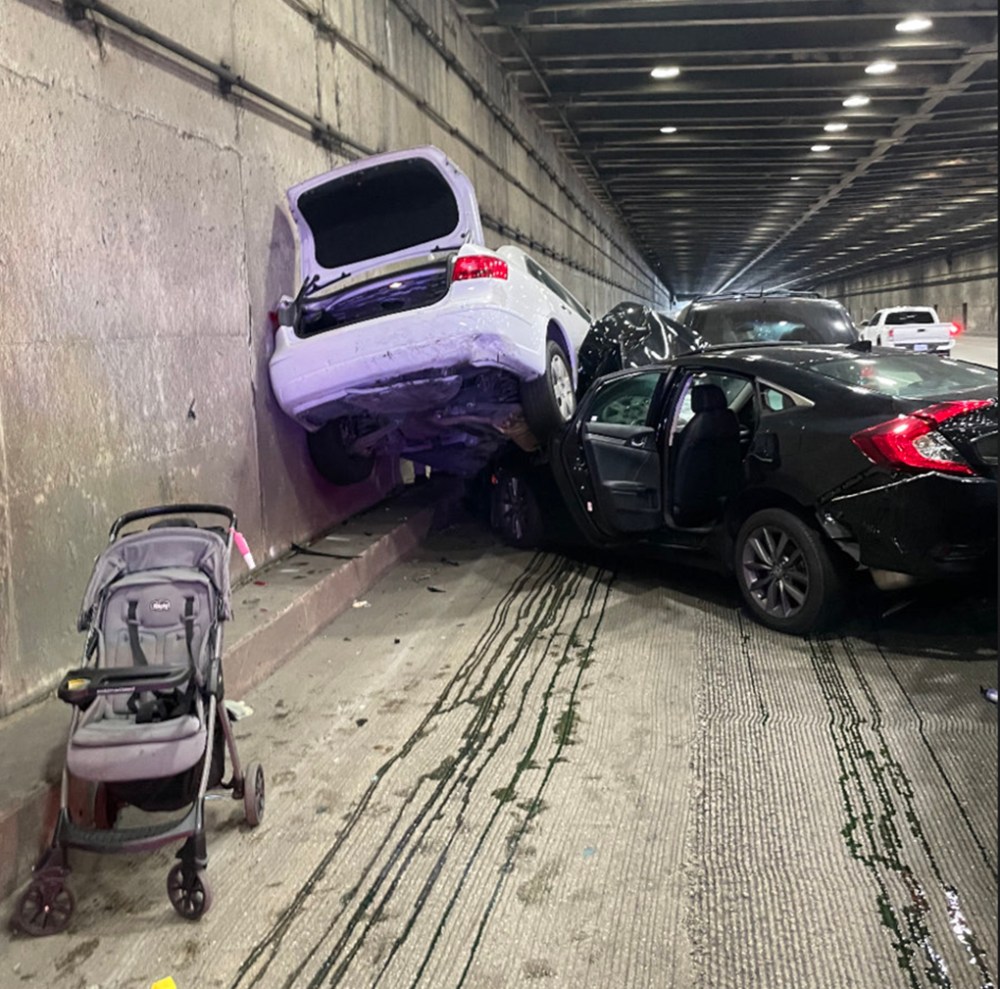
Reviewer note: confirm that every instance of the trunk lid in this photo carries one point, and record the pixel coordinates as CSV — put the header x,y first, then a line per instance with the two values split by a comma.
x,y
382,210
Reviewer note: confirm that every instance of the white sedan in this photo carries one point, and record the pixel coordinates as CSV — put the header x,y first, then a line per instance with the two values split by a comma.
x,y
408,336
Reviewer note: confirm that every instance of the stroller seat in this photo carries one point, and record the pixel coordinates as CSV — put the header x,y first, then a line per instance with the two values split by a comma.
x,y
153,618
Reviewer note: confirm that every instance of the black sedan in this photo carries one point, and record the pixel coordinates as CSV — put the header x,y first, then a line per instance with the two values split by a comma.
x,y
793,465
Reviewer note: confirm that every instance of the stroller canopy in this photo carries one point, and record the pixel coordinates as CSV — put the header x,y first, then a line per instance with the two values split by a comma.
x,y
181,547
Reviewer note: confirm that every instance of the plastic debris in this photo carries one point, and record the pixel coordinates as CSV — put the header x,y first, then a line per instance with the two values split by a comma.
x,y
436,590
360,604
990,693
167,983
238,710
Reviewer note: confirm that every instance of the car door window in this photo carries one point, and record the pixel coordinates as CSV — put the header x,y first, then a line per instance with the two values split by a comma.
x,y
626,401
737,389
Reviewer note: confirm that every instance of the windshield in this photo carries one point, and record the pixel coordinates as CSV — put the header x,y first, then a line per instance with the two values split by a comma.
x,y
909,316
770,320
911,375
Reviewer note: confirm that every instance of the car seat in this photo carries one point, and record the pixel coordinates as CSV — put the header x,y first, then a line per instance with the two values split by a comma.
x,y
706,462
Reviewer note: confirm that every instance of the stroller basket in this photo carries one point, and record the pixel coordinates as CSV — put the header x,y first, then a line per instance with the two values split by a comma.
x,y
148,727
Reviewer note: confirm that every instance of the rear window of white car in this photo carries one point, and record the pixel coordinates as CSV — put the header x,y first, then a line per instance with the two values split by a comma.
x,y
907,316
911,375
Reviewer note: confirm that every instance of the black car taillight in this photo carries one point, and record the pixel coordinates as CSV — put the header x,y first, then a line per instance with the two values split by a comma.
x,y
913,442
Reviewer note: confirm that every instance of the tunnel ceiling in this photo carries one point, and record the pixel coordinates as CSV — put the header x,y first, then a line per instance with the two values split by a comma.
x,y
742,193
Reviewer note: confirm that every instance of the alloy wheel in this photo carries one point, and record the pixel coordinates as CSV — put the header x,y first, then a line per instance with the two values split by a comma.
x,y
775,571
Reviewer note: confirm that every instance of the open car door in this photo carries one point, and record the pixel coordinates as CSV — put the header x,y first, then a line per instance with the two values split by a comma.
x,y
620,448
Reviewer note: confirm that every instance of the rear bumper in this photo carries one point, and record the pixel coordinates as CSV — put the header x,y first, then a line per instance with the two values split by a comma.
x,y
388,353
928,525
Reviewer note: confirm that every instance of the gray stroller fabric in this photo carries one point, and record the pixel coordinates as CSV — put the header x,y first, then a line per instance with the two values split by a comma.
x,y
181,547
155,599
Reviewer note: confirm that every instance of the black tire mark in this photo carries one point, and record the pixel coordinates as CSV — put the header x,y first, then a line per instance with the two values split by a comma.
x,y
477,734
959,806
535,583
875,841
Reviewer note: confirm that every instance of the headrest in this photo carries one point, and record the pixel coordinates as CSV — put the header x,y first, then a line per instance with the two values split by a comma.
x,y
707,398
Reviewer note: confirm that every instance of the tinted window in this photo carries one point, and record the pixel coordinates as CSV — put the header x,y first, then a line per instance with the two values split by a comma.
x,y
541,275
770,320
626,401
908,316
910,376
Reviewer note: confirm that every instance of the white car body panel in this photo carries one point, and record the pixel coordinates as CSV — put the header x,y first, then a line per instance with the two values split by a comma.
x,y
442,372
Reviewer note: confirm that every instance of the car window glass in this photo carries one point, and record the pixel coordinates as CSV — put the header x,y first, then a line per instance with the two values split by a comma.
x,y
907,317
737,389
909,375
540,274
772,400
770,320
625,402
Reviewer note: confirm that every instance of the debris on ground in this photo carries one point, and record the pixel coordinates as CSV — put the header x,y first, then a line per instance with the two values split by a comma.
x,y
990,693
361,604
238,710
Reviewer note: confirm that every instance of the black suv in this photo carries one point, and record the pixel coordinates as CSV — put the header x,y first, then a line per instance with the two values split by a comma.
x,y
633,335
717,320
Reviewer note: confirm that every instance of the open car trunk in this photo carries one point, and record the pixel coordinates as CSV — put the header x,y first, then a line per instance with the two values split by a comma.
x,y
380,211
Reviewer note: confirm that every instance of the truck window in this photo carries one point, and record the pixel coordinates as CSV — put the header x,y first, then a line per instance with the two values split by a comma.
x,y
908,317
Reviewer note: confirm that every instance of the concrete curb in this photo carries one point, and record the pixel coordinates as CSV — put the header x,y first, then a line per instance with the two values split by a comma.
x,y
27,819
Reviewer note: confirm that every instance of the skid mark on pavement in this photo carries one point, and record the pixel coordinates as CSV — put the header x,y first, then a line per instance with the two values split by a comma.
x,y
885,832
520,677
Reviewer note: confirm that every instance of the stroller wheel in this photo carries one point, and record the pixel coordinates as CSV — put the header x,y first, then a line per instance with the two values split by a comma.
x,y
253,794
189,892
46,905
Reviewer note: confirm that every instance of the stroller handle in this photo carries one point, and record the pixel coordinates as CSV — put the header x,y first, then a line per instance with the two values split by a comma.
x,y
153,511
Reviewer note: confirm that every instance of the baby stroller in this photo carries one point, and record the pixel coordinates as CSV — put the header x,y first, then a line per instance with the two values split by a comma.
x,y
148,725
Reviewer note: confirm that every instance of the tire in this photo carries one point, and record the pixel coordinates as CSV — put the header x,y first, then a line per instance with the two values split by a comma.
x,y
189,892
329,450
253,794
807,593
549,400
46,906
514,511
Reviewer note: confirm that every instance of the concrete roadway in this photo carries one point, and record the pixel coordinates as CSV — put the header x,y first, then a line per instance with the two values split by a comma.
x,y
514,769
980,350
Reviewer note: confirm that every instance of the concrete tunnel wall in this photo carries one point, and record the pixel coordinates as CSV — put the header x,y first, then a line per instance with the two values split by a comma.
x,y
144,238
962,288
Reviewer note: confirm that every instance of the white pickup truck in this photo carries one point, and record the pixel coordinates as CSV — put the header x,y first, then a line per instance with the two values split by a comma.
x,y
909,328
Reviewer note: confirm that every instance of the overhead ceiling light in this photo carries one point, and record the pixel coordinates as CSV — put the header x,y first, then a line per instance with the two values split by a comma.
x,y
913,24
820,147
881,67
796,178
835,128
855,101
665,72
668,130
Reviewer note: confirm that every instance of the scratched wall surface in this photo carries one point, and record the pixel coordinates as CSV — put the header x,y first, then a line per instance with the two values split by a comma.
x,y
144,239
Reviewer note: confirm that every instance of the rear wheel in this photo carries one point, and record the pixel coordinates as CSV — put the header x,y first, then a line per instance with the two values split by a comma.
x,y
786,574
46,906
514,511
549,400
329,448
253,794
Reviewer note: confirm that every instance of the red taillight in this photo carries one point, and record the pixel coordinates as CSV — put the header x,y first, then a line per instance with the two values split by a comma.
x,y
478,266
892,332
913,442
956,328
